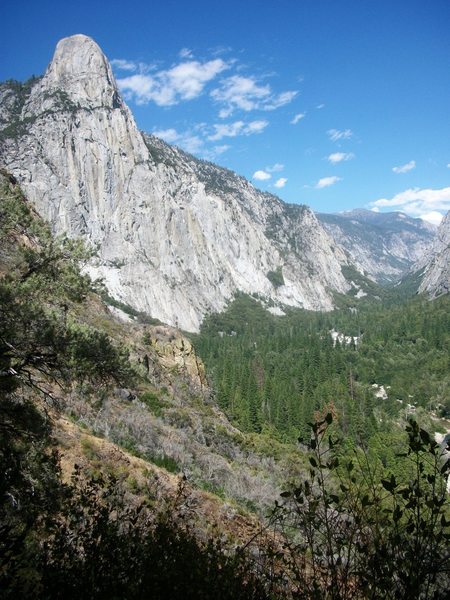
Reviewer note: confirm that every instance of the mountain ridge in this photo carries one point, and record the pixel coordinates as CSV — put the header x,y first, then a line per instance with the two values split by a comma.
x,y
176,247
385,246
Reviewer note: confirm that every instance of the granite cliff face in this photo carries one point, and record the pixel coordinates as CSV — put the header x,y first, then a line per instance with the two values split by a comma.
x,y
436,266
383,245
175,236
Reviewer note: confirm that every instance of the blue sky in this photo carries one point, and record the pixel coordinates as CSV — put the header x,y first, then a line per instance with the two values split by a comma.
x,y
333,103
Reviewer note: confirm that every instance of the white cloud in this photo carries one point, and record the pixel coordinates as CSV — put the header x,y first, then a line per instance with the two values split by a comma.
x,y
320,106
280,183
227,130
185,53
194,140
418,202
276,168
120,64
280,100
261,175
237,128
184,81
298,117
245,93
191,143
405,168
255,127
338,157
240,92
327,181
221,149
335,134
448,166
124,65
433,217
168,135
138,86
187,79
186,140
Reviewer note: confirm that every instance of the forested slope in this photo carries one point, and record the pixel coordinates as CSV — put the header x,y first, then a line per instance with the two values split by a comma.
x,y
277,372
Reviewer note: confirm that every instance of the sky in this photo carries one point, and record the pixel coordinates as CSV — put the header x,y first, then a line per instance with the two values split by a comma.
x,y
336,104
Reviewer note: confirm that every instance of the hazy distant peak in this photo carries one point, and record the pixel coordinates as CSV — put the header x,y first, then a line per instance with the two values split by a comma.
x,y
384,245
374,216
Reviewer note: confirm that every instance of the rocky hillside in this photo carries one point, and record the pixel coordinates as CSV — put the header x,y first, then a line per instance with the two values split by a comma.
x,y
436,266
175,237
157,403
383,245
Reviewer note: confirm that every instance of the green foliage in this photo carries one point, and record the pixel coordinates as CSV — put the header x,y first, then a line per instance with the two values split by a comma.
x,y
21,91
93,357
354,536
29,488
61,101
83,540
16,93
276,277
242,314
276,224
159,151
369,287
59,540
153,402
38,336
89,449
140,316
165,462
17,125
277,372
213,488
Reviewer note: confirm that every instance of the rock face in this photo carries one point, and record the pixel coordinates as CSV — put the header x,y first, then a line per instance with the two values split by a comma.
x,y
176,237
383,245
175,352
436,274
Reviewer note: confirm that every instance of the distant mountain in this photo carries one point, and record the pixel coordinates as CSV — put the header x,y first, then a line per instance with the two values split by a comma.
x,y
383,245
176,237
436,266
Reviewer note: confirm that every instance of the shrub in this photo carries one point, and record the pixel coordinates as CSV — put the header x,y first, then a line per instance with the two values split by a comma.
x,y
153,403
276,277
352,535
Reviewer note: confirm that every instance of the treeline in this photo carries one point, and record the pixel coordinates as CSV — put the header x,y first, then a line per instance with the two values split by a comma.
x,y
278,372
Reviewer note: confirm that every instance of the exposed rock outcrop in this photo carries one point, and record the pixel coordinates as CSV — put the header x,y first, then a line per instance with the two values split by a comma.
x,y
436,275
176,237
175,351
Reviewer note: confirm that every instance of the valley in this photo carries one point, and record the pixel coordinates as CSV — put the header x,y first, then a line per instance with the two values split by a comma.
x,y
206,391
